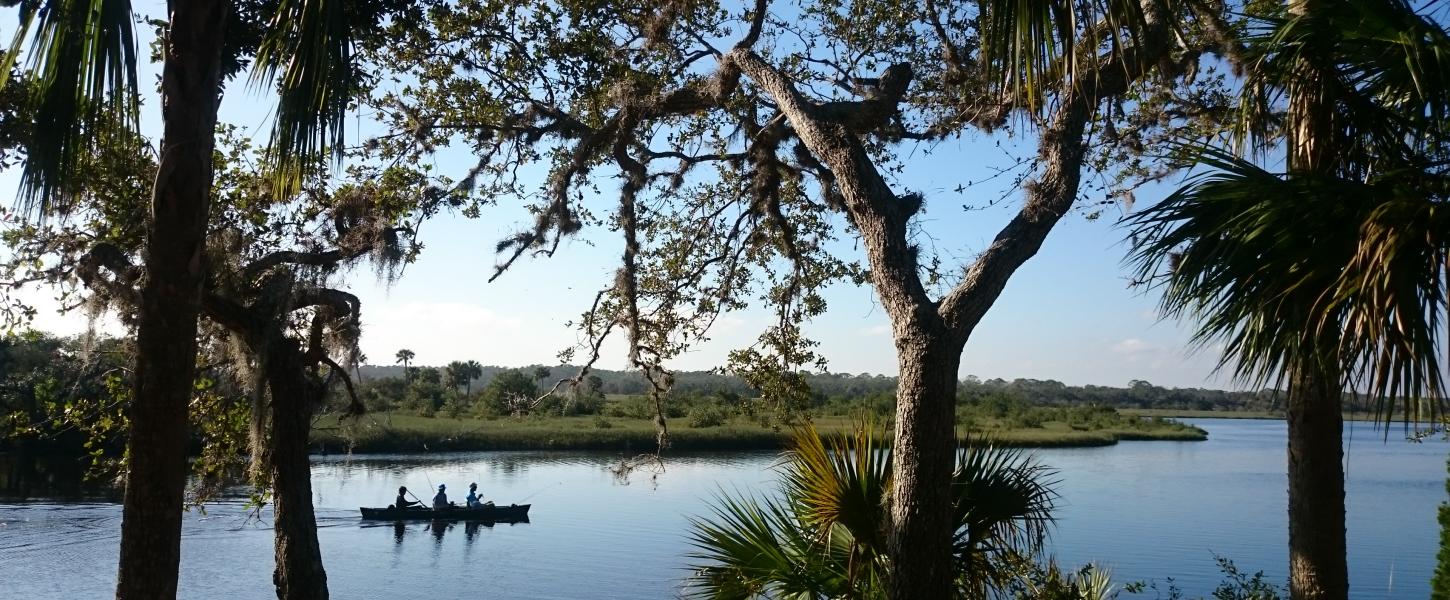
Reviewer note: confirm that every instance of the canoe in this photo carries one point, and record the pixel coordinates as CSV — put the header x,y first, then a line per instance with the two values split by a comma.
x,y
497,514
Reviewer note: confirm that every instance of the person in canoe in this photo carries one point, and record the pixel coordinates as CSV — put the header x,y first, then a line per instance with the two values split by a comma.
x,y
475,500
403,501
440,500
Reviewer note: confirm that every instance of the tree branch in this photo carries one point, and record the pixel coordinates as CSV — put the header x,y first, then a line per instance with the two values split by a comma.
x,y
1061,150
876,210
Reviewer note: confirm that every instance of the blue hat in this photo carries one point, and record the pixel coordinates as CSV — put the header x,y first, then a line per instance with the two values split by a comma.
x,y
441,486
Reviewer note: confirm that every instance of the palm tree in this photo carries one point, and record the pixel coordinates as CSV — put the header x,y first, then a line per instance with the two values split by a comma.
x,y
457,373
472,371
826,536
1331,275
405,356
82,70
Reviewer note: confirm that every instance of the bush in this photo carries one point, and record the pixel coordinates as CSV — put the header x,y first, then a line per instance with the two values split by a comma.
x,y
602,423
455,406
708,416
503,390
585,404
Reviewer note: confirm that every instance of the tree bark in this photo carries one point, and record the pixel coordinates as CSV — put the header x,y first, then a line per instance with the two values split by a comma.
x,y
920,539
170,297
298,574
1317,565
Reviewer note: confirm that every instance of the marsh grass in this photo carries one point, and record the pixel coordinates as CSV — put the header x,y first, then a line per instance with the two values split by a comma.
x,y
399,432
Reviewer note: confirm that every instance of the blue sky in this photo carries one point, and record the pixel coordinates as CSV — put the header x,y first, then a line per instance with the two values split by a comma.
x,y
1068,314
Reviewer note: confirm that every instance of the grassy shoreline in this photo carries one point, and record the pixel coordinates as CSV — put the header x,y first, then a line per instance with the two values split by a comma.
x,y
396,432
1171,413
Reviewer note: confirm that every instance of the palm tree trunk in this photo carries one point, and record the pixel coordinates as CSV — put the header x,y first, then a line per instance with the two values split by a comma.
x,y
298,574
923,453
170,299
1317,565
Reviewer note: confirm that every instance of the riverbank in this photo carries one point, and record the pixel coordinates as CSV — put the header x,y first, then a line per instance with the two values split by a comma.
x,y
1173,413
396,432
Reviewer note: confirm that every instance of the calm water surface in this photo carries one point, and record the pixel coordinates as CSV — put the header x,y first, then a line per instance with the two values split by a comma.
x,y
1148,510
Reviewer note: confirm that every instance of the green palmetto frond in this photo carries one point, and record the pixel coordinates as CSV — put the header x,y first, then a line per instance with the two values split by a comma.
x,y
756,548
82,71
826,538
840,480
310,43
1028,44
1280,268
1004,503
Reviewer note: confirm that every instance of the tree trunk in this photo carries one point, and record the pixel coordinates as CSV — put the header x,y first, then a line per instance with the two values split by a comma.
x,y
922,463
298,574
1317,567
170,298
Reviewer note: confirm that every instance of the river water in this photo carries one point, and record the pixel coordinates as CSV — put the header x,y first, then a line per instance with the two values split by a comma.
x,y
1146,510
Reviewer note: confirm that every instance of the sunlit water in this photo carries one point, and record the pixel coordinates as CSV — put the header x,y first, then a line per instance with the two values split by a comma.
x,y
1148,510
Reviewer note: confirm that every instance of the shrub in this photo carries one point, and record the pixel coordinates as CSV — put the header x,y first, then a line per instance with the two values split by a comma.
x,y
602,423
455,406
584,404
708,416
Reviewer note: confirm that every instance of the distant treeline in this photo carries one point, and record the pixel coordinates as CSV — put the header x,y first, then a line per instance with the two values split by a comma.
x,y
839,387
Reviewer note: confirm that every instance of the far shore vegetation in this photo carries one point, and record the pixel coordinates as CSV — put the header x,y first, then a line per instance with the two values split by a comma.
x,y
61,398
405,432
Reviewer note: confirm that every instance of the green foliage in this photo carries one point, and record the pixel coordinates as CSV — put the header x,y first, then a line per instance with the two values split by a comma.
x,y
310,42
222,424
708,416
825,537
82,67
1354,267
1240,586
511,392
844,393
1342,258
1089,582
85,417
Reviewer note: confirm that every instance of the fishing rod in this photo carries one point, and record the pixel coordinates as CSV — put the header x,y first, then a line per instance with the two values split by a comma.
x,y
430,486
541,490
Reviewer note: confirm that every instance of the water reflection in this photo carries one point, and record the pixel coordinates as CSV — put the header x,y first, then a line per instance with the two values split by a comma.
x,y
439,528
24,475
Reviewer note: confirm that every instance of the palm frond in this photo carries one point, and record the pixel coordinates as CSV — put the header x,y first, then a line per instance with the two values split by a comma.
x,y
754,548
1394,293
1279,268
310,42
1387,69
825,538
846,484
1003,511
82,72
1028,45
